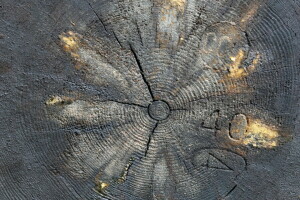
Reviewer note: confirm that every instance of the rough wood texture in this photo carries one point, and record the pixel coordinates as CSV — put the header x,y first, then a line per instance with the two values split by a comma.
x,y
149,99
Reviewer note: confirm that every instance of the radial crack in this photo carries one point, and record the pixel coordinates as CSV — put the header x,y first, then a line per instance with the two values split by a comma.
x,y
248,38
180,109
125,103
141,71
101,21
149,140
119,42
139,33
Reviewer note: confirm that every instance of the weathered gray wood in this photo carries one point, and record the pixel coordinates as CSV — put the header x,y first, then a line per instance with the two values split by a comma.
x,y
149,99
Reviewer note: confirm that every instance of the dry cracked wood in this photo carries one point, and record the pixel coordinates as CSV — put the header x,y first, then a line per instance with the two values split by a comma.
x,y
150,99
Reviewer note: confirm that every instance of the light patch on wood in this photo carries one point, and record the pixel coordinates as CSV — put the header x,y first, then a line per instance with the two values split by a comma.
x,y
169,22
233,81
238,126
237,87
261,135
248,16
57,100
90,113
179,4
235,69
98,69
101,186
54,100
253,132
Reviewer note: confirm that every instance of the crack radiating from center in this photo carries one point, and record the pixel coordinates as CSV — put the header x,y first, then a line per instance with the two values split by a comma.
x,y
141,71
99,18
150,138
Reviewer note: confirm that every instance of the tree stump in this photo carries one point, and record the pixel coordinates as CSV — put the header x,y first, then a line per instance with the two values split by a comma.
x,y
150,99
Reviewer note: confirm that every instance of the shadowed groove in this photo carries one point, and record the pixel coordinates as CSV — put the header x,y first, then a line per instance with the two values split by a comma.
x,y
141,71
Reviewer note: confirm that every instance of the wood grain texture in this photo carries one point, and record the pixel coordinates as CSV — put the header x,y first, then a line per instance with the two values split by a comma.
x,y
149,99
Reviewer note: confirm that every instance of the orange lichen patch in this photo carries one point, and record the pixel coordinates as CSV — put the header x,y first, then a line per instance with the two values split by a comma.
x,y
260,135
70,42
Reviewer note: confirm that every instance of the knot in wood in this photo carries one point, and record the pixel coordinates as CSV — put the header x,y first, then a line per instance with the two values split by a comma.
x,y
159,110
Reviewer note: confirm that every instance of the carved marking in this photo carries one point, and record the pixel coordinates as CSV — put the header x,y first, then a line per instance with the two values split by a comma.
x,y
208,158
210,122
231,191
238,126
216,163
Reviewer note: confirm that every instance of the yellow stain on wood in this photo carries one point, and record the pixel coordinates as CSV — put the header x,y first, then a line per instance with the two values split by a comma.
x,y
253,132
101,187
171,7
233,80
179,4
260,135
181,39
56,100
235,69
237,87
70,43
